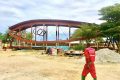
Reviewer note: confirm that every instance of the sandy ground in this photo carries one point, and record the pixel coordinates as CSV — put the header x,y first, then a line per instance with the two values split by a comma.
x,y
31,65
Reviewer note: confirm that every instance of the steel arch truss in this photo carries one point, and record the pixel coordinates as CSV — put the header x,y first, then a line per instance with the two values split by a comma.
x,y
18,31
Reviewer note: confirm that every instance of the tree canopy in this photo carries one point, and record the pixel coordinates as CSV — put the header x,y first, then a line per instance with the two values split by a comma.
x,y
3,37
29,36
87,31
111,28
111,15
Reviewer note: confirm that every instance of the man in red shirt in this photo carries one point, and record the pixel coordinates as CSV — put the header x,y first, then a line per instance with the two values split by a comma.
x,y
89,67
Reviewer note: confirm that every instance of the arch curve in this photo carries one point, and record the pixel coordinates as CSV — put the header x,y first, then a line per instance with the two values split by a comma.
x,y
43,22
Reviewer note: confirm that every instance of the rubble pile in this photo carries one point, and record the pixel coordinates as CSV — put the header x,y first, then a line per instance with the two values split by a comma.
x,y
107,55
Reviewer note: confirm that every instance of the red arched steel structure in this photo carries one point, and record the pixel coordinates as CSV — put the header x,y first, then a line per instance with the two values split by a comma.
x,y
16,30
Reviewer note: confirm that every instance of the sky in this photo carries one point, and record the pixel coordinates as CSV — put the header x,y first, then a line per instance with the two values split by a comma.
x,y
15,11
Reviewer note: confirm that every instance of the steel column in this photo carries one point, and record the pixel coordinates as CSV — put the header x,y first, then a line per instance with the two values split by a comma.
x,y
69,32
35,34
69,35
19,33
25,35
58,35
31,36
46,32
44,35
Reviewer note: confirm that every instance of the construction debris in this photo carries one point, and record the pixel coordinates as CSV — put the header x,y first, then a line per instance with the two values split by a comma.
x,y
107,55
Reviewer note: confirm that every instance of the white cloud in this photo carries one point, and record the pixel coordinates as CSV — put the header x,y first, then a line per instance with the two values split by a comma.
x,y
14,11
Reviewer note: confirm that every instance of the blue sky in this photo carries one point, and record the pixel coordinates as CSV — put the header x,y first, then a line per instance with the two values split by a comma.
x,y
15,11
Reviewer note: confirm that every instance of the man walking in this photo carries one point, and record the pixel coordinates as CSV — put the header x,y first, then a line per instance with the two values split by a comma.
x,y
89,67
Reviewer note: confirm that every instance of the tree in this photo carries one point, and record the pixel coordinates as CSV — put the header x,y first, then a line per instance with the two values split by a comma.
x,y
111,28
3,37
111,14
29,36
87,31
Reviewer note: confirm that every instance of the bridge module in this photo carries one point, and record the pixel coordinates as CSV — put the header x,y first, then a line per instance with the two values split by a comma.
x,y
40,28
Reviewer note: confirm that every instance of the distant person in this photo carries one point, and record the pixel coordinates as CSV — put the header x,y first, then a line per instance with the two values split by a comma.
x,y
59,52
89,67
48,51
5,46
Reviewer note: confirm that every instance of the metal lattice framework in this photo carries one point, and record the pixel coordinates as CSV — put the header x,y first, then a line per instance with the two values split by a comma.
x,y
18,30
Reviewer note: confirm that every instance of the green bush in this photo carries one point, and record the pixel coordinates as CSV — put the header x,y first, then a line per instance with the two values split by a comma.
x,y
78,47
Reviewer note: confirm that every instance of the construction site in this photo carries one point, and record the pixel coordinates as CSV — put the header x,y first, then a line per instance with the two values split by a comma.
x,y
27,58
33,65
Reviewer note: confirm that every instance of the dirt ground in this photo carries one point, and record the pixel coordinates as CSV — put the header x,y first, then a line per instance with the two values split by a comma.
x,y
31,65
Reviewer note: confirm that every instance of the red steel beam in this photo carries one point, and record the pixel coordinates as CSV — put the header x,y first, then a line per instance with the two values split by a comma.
x,y
46,22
